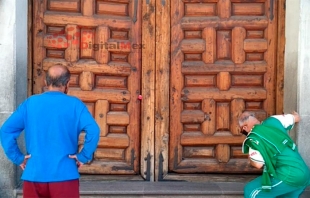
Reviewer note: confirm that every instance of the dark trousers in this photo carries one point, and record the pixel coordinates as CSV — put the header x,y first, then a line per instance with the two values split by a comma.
x,y
63,189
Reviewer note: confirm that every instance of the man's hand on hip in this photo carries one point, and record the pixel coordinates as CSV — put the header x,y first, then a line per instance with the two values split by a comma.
x,y
78,163
23,165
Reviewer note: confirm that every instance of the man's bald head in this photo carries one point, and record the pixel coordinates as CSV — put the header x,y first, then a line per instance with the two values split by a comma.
x,y
57,76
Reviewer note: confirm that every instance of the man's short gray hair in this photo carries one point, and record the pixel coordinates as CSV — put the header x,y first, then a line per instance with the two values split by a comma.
x,y
245,117
58,81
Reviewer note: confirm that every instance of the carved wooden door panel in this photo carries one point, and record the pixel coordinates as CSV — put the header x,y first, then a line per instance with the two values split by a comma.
x,y
222,63
100,42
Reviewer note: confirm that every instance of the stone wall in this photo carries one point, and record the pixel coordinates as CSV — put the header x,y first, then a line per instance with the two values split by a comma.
x,y
7,86
303,80
291,58
297,70
13,77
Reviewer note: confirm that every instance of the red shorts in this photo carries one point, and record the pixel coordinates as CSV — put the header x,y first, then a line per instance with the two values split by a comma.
x,y
64,189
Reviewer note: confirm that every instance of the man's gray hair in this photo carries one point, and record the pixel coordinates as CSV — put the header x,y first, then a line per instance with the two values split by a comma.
x,y
58,81
245,117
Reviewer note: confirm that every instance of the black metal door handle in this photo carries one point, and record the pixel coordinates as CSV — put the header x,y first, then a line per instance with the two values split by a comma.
x,y
135,8
271,9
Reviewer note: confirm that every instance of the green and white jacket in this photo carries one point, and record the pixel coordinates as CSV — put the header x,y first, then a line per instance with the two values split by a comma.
x,y
270,138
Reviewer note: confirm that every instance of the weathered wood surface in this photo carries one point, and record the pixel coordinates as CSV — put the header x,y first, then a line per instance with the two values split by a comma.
x,y
148,90
100,43
223,61
280,56
162,88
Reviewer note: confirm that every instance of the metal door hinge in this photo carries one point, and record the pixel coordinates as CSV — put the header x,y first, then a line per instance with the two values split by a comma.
x,y
163,2
161,167
148,167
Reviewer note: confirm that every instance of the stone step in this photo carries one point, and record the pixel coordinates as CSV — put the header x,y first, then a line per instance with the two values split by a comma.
x,y
132,189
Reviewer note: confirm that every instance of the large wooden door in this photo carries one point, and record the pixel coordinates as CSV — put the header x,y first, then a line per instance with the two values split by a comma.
x,y
222,63
100,42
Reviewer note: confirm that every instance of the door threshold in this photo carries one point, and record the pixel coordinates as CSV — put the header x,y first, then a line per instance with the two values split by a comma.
x,y
85,177
210,177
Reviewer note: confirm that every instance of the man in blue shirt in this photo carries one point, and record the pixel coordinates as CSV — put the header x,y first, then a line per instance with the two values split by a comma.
x,y
52,122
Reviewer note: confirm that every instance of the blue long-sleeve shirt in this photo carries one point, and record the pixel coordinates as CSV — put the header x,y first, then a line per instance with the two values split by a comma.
x,y
52,122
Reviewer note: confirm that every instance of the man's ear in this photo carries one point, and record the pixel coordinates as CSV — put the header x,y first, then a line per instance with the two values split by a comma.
x,y
66,88
45,83
67,85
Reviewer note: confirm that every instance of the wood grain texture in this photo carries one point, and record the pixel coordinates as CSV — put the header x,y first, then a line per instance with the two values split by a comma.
x,y
194,23
222,117
255,45
280,56
193,45
112,95
175,154
209,35
64,6
224,8
225,66
148,89
88,7
69,33
118,168
204,62
191,139
111,68
162,88
113,154
30,49
223,45
222,153
87,81
209,123
102,36
88,21
235,72
101,109
271,59
192,116
38,49
237,108
118,118
198,94
109,141
238,36
134,86
73,48
223,81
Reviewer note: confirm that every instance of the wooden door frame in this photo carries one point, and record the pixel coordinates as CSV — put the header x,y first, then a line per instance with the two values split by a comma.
x,y
156,82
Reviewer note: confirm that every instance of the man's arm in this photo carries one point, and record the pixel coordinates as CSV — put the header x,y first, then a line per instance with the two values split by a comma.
x,y
256,158
288,120
9,133
88,124
256,164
